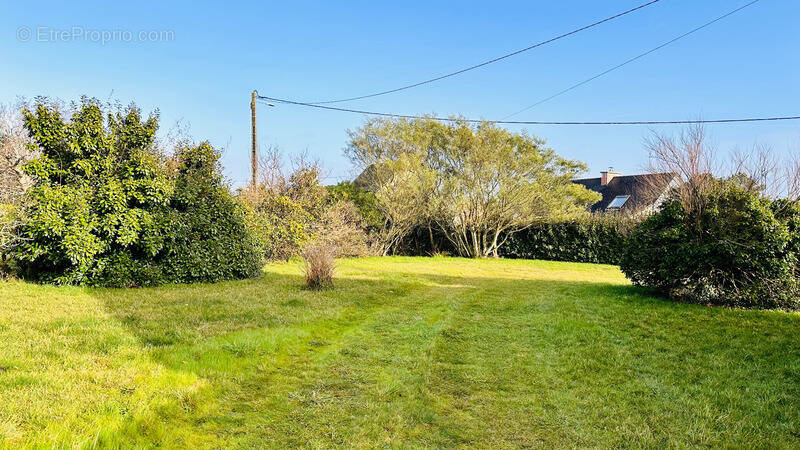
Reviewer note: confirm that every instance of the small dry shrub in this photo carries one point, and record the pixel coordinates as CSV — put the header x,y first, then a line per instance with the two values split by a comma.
x,y
319,266
341,228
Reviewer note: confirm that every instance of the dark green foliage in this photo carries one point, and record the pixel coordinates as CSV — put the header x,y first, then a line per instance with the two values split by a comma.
x,y
206,238
739,249
593,240
424,241
105,209
788,213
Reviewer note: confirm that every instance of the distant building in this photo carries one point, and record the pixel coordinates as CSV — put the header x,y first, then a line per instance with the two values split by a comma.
x,y
630,194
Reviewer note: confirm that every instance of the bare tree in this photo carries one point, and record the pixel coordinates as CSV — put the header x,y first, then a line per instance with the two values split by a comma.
x,y
272,173
15,151
780,175
689,157
177,136
792,176
758,170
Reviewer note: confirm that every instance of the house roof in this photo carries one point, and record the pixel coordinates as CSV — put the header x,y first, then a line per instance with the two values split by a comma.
x,y
643,190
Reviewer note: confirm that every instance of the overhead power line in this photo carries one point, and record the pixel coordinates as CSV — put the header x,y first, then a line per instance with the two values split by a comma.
x,y
499,58
639,56
524,122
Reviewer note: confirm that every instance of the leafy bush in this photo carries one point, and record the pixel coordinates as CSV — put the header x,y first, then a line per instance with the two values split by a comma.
x,y
105,209
319,266
206,237
292,212
739,249
282,212
597,239
280,225
99,186
202,235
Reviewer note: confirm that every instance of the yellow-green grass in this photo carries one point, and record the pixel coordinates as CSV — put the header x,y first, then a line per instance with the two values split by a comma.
x,y
435,352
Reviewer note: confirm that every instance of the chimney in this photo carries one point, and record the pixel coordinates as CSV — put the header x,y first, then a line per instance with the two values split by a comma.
x,y
607,175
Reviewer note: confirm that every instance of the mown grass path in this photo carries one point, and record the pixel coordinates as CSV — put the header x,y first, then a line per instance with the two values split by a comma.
x,y
403,352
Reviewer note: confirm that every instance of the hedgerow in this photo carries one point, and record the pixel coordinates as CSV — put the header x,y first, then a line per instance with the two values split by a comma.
x,y
595,239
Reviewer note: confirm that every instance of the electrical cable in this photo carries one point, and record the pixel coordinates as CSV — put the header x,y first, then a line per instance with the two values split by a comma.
x,y
266,99
494,60
641,55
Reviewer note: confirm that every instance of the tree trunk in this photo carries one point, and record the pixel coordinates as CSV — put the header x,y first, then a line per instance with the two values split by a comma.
x,y
434,248
494,245
476,245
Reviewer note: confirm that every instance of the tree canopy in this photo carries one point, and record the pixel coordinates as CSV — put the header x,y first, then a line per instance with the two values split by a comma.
x,y
478,183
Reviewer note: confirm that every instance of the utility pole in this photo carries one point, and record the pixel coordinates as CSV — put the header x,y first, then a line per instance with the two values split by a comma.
x,y
254,143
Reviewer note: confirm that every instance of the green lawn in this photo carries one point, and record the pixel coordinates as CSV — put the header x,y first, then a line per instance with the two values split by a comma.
x,y
402,352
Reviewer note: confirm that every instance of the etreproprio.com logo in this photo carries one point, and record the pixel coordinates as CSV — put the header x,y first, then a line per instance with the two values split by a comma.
x,y
91,35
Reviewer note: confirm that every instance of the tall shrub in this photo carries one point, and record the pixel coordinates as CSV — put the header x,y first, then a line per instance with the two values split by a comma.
x,y
206,237
99,187
363,199
288,213
280,226
104,208
341,229
281,214
735,251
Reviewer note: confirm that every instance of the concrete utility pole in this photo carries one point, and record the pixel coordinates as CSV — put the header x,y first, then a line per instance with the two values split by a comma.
x,y
254,144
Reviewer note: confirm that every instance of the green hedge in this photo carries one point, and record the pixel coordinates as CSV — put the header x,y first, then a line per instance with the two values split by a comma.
x,y
594,240
597,239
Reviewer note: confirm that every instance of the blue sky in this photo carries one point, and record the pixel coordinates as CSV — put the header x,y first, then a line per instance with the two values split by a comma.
x,y
745,65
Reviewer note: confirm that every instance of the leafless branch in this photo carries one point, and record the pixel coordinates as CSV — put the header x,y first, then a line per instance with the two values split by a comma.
x,y
15,151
